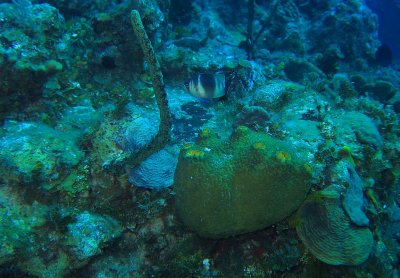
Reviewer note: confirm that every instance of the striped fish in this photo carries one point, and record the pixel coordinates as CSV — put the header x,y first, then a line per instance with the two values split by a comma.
x,y
206,85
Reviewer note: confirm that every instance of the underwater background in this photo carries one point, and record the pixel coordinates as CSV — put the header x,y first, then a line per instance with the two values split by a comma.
x,y
199,138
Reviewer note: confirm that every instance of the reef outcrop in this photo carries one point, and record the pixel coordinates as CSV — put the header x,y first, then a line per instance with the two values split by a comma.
x,y
243,185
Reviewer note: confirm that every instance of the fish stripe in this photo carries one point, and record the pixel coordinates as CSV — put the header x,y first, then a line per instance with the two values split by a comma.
x,y
220,89
207,81
207,85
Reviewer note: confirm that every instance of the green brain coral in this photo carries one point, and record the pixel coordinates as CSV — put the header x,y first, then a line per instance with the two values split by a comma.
x,y
243,185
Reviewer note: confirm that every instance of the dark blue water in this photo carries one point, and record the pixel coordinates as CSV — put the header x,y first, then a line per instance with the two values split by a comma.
x,y
388,12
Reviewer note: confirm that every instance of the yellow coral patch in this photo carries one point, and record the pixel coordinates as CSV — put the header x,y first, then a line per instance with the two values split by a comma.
x,y
309,168
283,156
193,153
205,132
242,129
259,145
187,146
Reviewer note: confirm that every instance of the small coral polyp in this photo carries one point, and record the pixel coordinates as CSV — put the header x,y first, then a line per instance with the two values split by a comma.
x,y
259,145
283,156
205,132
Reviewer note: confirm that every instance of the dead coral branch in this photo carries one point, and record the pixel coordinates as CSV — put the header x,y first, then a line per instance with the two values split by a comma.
x,y
163,135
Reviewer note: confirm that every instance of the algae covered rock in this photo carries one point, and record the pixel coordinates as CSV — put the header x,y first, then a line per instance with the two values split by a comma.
x,y
357,127
382,90
33,150
276,96
90,233
328,233
243,185
296,70
29,35
19,222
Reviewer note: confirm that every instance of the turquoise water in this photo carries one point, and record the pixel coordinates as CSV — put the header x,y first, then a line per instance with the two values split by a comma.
x,y
199,138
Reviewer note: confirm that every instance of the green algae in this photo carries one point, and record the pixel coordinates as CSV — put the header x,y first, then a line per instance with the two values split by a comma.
x,y
37,151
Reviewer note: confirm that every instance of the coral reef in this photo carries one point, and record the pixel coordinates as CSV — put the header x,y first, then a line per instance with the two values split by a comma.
x,y
294,172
